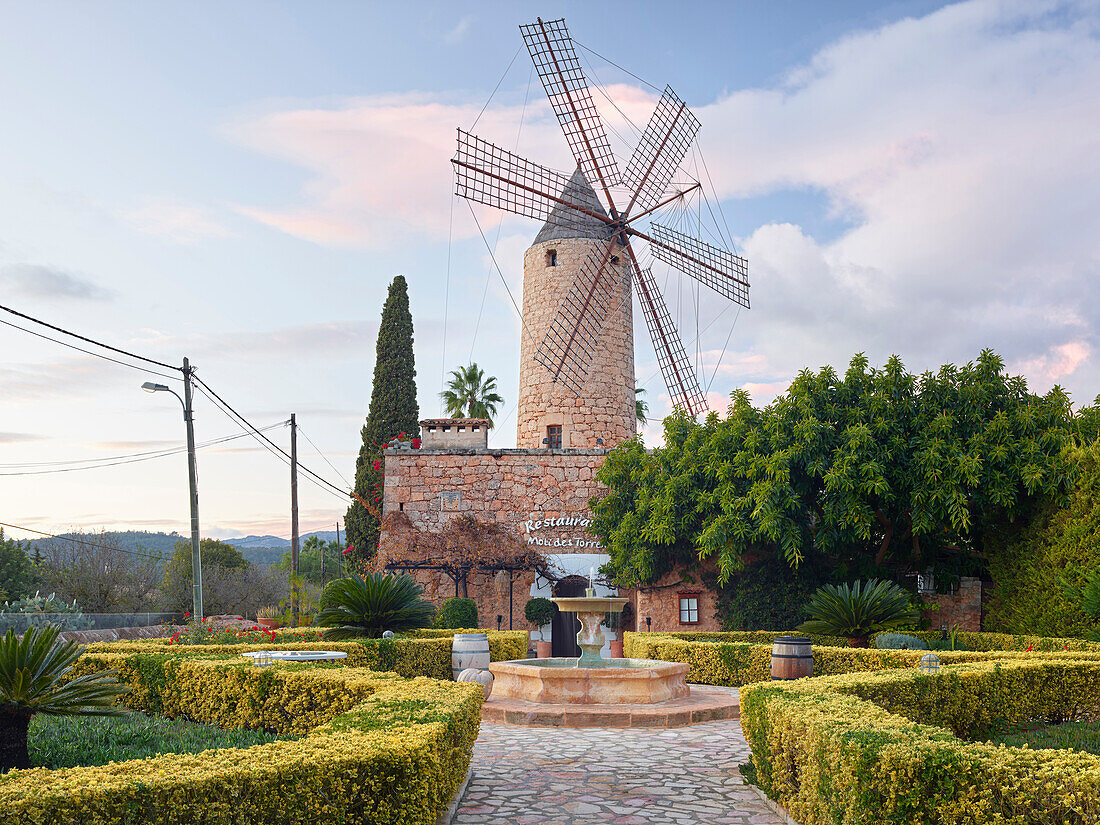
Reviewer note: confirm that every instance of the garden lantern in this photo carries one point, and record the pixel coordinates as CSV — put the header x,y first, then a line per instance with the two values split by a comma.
x,y
930,663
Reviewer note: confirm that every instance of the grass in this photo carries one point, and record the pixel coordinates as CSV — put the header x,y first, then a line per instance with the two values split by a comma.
x,y
1081,736
72,741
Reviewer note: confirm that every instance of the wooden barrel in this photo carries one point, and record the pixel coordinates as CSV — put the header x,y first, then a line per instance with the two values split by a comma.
x,y
469,650
792,658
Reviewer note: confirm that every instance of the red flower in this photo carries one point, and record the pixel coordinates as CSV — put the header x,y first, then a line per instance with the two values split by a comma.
x,y
1029,649
416,443
377,465
187,615
348,549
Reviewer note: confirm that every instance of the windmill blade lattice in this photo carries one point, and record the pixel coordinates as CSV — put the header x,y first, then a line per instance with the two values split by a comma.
x,y
725,273
488,174
680,377
562,77
661,150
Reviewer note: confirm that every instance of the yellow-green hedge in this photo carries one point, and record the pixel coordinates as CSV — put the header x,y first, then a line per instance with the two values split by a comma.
x,y
734,664
832,752
374,748
1006,641
428,655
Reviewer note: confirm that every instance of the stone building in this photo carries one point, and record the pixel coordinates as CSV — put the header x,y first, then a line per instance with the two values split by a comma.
x,y
543,487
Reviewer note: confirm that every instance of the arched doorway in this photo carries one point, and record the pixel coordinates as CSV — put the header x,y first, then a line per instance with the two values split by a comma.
x,y
563,632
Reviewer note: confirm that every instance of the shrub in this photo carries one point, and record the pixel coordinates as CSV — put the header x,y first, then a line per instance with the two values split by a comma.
x,y
368,605
34,678
374,748
899,641
880,748
458,612
857,610
770,593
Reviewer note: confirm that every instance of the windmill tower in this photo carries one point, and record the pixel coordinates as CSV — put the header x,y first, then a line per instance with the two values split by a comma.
x,y
576,362
604,407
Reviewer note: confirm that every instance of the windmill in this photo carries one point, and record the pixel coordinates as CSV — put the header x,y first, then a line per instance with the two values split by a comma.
x,y
490,175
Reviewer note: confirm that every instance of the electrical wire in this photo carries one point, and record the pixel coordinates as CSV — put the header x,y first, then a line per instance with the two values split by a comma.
x,y
90,340
323,458
88,351
85,543
131,460
342,493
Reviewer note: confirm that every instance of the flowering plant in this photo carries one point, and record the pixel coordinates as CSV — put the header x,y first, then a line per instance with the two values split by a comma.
x,y
202,633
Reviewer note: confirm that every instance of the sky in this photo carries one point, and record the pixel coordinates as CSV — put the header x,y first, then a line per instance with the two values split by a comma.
x,y
238,183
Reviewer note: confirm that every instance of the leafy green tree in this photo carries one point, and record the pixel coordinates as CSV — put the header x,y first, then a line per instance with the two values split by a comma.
x,y
217,557
471,394
309,559
34,671
1086,423
393,411
18,575
878,470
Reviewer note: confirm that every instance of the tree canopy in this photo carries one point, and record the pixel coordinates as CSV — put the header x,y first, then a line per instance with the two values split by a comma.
x,y
393,411
17,572
877,469
309,559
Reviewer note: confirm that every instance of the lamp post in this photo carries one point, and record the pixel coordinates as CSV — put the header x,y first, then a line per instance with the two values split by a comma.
x,y
192,479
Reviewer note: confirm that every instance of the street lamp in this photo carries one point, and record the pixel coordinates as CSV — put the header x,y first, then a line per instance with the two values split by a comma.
x,y
192,479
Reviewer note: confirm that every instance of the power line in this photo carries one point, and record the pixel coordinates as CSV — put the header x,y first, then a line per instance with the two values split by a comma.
x,y
323,458
85,543
118,460
90,340
342,493
87,351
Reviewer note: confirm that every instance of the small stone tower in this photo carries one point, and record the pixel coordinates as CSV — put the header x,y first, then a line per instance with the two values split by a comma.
x,y
547,410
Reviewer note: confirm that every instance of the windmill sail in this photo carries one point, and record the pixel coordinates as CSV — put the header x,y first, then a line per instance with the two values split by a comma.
x,y
660,151
680,377
725,273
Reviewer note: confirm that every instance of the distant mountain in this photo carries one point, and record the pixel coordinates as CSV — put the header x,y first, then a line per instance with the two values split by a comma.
x,y
260,550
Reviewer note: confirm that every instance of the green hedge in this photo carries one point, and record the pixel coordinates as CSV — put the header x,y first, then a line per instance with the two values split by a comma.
x,y
880,748
733,664
374,748
1007,641
425,653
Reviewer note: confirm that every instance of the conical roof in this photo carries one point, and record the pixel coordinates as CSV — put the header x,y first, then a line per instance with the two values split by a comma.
x,y
568,223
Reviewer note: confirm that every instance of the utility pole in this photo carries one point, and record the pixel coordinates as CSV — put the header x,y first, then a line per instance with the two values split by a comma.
x,y
340,544
294,517
193,481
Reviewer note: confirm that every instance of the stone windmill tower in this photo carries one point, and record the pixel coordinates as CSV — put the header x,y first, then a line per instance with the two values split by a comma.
x,y
604,407
577,357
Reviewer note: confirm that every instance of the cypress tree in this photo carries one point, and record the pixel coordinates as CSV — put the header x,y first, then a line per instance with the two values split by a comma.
x,y
393,410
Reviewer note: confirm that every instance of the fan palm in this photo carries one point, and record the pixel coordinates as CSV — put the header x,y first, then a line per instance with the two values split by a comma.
x,y
368,605
33,670
857,610
471,394
641,406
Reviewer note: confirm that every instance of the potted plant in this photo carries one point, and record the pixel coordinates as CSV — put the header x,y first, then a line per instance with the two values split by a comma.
x,y
540,612
269,616
615,622
307,603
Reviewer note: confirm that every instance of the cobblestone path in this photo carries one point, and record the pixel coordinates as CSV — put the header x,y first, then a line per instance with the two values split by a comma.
x,y
566,776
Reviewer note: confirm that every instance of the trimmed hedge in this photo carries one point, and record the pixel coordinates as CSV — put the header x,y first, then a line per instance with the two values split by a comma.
x,y
1007,641
374,748
880,748
425,653
734,664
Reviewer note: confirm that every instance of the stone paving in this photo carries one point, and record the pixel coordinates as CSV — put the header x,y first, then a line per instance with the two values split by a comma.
x,y
562,776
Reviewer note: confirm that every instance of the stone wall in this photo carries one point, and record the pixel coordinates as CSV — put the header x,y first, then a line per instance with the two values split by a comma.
x,y
963,608
661,603
605,408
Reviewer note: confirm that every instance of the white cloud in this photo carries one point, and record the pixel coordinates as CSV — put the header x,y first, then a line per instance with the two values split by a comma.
x,y
456,34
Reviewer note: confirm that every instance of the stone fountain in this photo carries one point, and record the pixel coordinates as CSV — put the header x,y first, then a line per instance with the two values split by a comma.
x,y
591,691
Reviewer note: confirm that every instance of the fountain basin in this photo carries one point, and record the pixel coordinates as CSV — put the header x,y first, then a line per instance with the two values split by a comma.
x,y
613,682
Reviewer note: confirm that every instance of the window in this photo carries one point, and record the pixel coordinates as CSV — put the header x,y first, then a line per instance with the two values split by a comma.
x,y
551,257
689,608
553,437
614,260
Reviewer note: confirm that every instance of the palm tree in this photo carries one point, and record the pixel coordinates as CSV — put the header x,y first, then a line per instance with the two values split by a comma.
x,y
641,406
471,394
32,673
857,610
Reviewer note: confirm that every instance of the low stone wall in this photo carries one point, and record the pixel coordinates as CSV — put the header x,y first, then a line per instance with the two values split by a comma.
x,y
963,608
